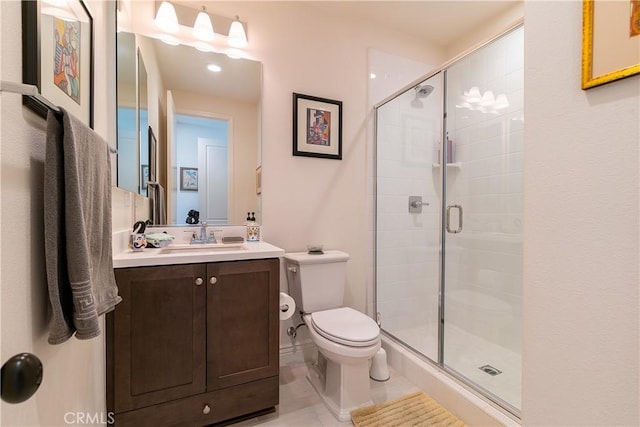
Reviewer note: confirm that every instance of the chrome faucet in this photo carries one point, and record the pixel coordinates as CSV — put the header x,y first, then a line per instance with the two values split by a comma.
x,y
203,231
203,236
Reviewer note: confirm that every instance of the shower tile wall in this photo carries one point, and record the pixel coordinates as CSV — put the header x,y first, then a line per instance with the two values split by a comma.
x,y
484,289
407,255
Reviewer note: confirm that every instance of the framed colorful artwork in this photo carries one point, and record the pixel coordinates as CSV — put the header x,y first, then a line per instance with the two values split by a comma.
x,y
189,179
57,56
317,127
610,41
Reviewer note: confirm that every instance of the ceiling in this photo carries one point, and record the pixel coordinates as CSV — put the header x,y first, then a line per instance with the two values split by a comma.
x,y
440,22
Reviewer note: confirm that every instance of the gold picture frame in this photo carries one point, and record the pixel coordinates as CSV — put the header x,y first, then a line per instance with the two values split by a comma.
x,y
610,41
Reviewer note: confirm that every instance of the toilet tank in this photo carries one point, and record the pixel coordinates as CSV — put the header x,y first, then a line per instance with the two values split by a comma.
x,y
316,281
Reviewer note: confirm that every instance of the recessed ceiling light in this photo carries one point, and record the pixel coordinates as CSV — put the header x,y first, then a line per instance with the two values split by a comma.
x,y
214,68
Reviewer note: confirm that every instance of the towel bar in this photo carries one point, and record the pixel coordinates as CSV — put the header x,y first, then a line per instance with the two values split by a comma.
x,y
31,90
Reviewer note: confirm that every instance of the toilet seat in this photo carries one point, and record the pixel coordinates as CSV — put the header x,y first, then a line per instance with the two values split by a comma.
x,y
346,326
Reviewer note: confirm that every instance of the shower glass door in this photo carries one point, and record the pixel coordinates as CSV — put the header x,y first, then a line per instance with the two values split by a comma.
x,y
408,183
483,218
448,250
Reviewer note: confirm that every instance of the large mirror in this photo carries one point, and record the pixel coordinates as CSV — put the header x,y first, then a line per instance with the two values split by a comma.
x,y
206,124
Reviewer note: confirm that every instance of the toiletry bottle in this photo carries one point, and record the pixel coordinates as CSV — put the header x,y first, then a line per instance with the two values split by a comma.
x,y
450,158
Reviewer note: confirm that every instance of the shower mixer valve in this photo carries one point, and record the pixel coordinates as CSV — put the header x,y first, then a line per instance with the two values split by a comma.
x,y
416,204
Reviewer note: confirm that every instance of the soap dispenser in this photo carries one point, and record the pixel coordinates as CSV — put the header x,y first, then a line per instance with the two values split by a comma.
x,y
253,229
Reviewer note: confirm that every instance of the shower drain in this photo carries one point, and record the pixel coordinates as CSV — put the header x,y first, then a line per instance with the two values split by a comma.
x,y
490,370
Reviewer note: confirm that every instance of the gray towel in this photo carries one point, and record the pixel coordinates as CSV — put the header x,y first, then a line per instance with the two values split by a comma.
x,y
77,220
156,199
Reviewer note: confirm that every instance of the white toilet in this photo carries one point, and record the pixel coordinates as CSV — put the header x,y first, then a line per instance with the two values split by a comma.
x,y
346,338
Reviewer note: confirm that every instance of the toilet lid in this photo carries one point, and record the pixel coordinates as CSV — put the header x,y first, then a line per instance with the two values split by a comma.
x,y
346,326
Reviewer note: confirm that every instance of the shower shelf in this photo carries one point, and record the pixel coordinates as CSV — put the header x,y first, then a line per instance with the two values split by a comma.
x,y
456,165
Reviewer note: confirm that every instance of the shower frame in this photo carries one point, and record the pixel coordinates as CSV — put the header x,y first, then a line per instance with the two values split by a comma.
x,y
440,362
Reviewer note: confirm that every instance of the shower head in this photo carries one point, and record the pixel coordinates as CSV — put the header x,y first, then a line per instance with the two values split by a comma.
x,y
423,91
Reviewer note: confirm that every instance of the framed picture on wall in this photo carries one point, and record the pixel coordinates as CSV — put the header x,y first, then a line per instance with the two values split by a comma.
x,y
610,41
57,56
144,176
189,179
317,127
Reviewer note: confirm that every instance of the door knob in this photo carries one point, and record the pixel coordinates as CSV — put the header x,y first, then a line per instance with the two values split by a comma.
x,y
206,409
199,281
21,377
213,280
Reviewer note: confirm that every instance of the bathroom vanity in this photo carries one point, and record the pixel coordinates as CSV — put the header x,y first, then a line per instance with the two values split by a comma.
x,y
195,339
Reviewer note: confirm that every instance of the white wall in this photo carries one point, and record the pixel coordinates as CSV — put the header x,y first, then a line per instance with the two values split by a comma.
x,y
581,317
74,372
307,200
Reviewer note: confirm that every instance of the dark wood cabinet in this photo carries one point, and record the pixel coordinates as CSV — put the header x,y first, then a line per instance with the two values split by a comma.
x,y
193,344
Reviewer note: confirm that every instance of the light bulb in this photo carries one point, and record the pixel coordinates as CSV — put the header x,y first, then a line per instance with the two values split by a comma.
x,y
202,28
473,95
166,18
237,36
487,99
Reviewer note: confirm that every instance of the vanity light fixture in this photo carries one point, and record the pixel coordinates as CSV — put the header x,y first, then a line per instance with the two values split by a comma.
x,y
214,68
485,103
202,28
237,36
166,18
487,100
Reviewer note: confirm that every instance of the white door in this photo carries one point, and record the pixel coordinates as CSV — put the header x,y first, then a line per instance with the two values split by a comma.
x,y
213,191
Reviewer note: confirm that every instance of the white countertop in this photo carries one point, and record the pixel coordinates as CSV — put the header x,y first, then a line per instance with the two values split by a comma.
x,y
168,256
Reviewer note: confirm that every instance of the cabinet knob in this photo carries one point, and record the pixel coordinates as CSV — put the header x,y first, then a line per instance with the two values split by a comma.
x,y
199,281
206,409
213,280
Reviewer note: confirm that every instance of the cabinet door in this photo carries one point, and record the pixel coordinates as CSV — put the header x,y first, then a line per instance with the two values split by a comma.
x,y
242,322
156,342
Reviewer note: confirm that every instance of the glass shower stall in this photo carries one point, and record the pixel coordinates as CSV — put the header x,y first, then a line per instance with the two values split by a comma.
x,y
448,250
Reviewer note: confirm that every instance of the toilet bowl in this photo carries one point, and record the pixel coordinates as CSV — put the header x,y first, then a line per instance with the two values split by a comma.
x,y
346,338
341,375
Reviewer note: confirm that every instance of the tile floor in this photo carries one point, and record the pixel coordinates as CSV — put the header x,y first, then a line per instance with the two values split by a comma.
x,y
300,405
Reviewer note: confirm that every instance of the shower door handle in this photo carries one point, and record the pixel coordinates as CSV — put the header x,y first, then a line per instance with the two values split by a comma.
x,y
448,222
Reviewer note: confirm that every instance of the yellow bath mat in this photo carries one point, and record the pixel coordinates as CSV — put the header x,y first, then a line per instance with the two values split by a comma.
x,y
416,409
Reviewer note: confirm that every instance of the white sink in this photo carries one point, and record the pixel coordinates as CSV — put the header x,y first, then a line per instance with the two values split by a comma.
x,y
203,247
